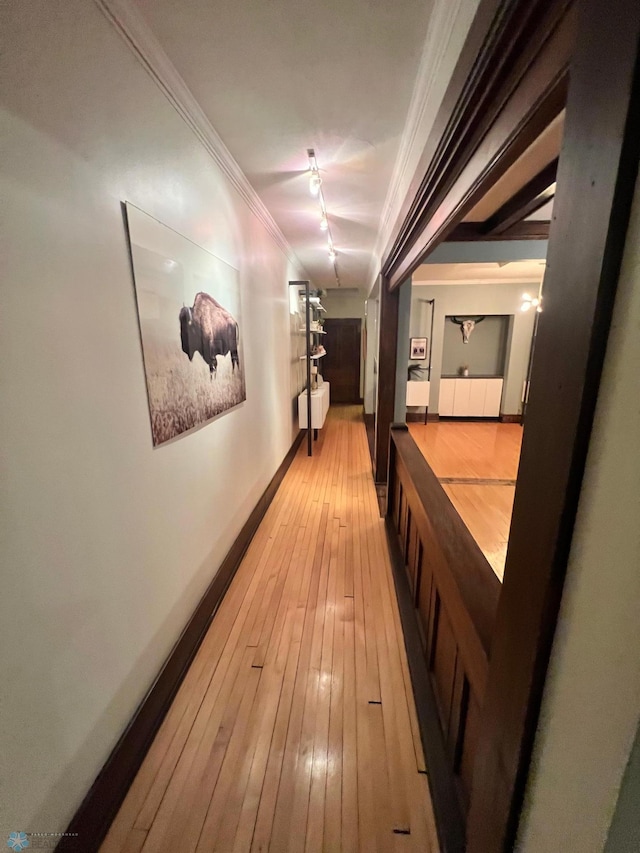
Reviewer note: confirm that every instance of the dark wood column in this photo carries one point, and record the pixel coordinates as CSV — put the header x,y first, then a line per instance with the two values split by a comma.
x,y
596,179
388,325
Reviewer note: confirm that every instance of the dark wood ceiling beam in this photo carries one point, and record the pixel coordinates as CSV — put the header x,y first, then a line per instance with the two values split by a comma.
x,y
517,87
468,232
526,201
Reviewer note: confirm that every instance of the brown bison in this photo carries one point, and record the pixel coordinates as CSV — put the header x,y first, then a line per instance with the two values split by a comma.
x,y
209,329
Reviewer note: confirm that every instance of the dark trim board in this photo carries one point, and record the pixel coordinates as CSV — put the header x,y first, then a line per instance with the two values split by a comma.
x,y
510,419
418,417
529,229
466,419
515,65
370,427
450,820
388,321
534,195
91,822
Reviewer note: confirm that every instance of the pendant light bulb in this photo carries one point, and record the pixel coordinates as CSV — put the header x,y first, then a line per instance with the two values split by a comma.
x,y
314,183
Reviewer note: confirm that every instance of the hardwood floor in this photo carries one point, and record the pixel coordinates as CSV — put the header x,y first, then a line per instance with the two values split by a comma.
x,y
477,464
295,727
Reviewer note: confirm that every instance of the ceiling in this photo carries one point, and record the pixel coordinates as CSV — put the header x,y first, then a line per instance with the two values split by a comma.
x,y
275,77
512,272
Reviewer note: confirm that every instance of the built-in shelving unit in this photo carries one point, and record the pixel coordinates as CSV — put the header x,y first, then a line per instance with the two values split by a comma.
x,y
313,403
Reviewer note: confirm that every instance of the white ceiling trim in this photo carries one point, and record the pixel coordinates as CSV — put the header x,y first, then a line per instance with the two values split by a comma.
x,y
446,281
132,27
425,100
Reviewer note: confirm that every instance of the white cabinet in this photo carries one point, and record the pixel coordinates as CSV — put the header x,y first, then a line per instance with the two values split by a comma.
x,y
319,407
492,398
461,398
418,393
447,392
477,398
470,397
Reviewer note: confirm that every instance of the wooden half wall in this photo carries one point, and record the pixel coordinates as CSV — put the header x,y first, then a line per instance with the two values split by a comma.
x,y
454,596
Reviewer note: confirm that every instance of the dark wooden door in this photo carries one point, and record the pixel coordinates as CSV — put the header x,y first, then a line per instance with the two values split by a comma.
x,y
341,364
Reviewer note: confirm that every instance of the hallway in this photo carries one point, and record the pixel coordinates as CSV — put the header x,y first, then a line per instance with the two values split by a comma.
x,y
295,727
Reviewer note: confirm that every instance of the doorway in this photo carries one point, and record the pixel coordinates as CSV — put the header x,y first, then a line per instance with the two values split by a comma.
x,y
341,364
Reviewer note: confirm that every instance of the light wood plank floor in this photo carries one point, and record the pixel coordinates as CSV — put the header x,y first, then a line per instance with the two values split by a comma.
x,y
477,464
295,727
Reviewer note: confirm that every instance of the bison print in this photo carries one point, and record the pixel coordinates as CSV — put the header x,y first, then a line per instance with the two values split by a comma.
x,y
191,328
209,329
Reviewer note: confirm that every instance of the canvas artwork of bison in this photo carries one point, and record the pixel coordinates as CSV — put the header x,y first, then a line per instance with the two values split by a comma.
x,y
190,325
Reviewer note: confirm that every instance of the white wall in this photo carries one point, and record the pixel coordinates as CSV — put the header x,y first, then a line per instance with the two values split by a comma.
x,y
477,299
402,351
624,832
591,704
107,544
372,309
449,24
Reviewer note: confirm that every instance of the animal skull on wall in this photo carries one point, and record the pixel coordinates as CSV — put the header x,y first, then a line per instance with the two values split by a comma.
x,y
466,327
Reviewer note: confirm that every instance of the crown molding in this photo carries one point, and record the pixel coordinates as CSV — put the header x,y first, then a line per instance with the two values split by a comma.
x,y
445,24
443,282
134,30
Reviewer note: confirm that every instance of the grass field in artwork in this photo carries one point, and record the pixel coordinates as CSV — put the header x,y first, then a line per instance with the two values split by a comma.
x,y
181,392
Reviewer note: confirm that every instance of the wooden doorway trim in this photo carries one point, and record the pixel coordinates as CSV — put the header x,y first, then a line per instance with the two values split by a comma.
x,y
596,180
387,351
515,84
509,83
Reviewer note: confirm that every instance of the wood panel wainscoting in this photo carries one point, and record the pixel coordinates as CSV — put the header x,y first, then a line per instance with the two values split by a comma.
x,y
454,597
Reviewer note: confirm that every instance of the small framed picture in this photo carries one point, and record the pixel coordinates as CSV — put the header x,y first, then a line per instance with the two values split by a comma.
x,y
418,349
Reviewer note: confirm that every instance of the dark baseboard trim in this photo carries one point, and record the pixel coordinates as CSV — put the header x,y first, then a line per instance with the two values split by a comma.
x,y
470,420
91,822
450,820
418,417
370,427
511,419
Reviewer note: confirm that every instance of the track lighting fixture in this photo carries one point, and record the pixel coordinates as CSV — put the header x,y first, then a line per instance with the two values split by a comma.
x,y
314,183
315,186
